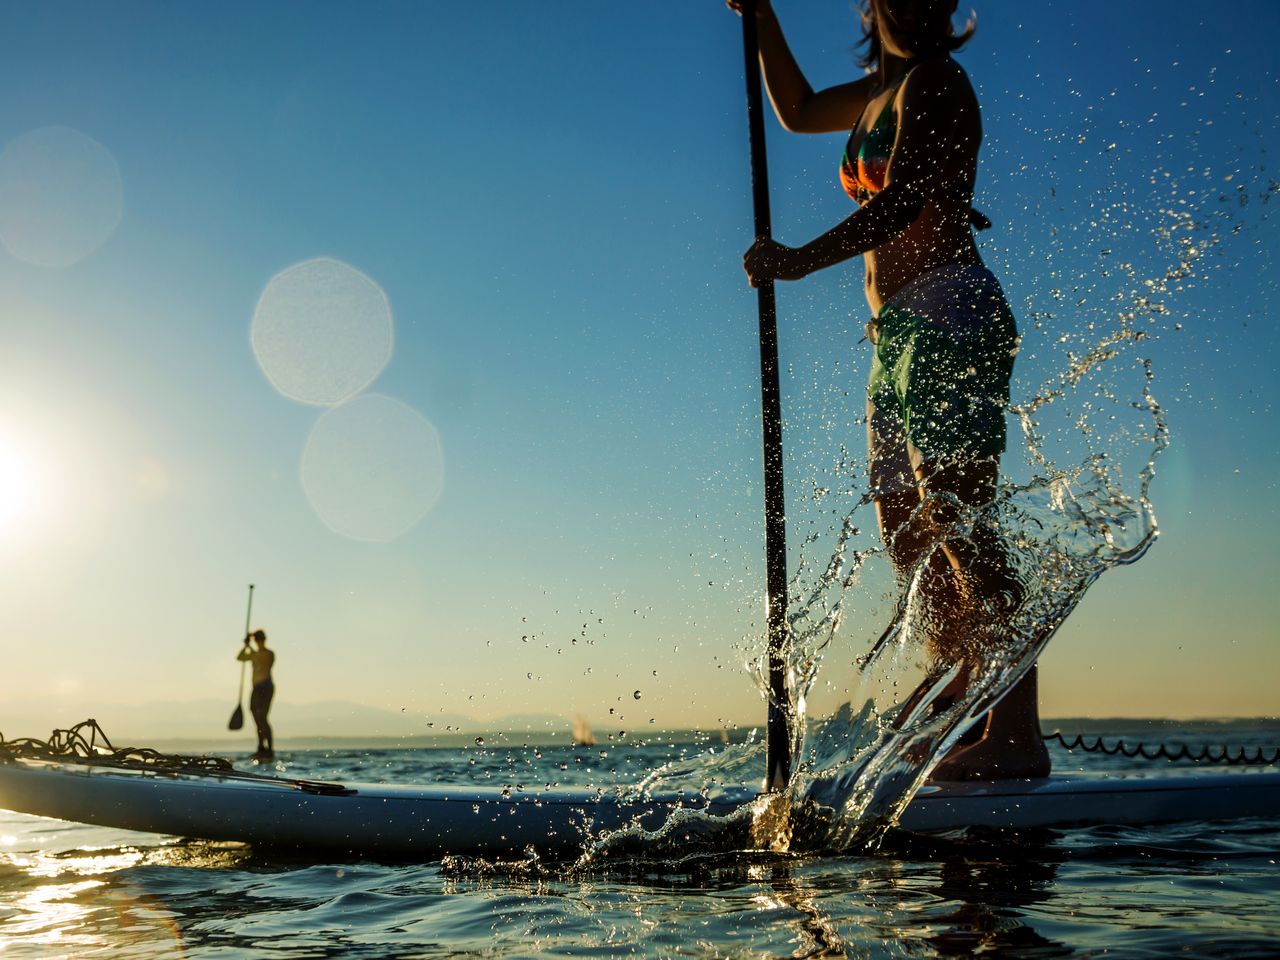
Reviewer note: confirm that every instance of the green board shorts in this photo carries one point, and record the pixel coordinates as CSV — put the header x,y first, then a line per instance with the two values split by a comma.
x,y
939,385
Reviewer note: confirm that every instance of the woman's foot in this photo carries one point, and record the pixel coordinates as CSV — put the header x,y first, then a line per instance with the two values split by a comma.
x,y
1010,747
994,758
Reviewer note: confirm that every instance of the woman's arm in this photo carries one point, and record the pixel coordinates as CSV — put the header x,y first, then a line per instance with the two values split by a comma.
x,y
935,150
798,107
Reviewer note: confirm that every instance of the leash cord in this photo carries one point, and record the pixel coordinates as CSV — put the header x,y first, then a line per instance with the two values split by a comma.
x,y
1239,756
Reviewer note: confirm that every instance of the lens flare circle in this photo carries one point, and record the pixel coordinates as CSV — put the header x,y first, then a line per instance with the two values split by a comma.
x,y
61,196
372,468
322,332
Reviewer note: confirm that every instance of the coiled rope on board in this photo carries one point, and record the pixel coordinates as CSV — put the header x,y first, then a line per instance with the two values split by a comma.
x,y
87,743
1239,756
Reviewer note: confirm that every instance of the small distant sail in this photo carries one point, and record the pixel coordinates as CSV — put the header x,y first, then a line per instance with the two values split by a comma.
x,y
582,735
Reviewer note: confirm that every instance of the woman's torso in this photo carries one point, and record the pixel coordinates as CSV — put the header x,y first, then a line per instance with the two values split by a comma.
x,y
940,233
262,662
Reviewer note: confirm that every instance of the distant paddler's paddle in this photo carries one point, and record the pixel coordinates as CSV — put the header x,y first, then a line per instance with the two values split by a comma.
x,y
778,752
237,716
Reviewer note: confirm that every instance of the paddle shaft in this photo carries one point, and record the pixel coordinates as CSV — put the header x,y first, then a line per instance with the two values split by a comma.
x,y
248,616
778,750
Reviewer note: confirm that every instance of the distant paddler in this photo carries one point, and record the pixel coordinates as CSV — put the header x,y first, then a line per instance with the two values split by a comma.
x,y
264,689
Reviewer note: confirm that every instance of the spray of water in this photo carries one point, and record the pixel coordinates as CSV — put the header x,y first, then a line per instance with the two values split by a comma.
x,y
1077,505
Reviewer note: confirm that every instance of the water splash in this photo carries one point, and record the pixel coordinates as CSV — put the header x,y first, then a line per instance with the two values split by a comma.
x,y
1061,529
1077,505
1063,524
861,767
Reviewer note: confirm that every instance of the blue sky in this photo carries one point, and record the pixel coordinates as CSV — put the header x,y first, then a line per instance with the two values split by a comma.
x,y
554,202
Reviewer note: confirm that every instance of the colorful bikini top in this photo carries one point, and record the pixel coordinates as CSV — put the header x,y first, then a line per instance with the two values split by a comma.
x,y
863,174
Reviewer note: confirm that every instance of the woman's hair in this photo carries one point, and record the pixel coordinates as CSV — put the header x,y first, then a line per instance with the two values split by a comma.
x,y
923,25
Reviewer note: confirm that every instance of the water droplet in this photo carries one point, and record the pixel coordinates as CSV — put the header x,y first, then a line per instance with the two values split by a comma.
x,y
636,695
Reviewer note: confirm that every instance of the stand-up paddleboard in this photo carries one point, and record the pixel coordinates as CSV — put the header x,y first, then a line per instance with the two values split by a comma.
x,y
431,821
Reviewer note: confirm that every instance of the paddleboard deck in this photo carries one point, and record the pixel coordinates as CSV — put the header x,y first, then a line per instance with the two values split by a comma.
x,y
431,821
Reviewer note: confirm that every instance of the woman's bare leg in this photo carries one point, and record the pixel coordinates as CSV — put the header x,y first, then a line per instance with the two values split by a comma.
x,y
1011,745
960,577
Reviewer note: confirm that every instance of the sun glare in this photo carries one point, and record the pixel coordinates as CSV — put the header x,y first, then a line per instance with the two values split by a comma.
x,y
19,484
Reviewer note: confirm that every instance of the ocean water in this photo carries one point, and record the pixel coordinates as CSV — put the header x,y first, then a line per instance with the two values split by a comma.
x,y
1194,889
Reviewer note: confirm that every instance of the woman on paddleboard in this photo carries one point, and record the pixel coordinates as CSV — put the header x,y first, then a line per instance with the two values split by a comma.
x,y
943,335
264,689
